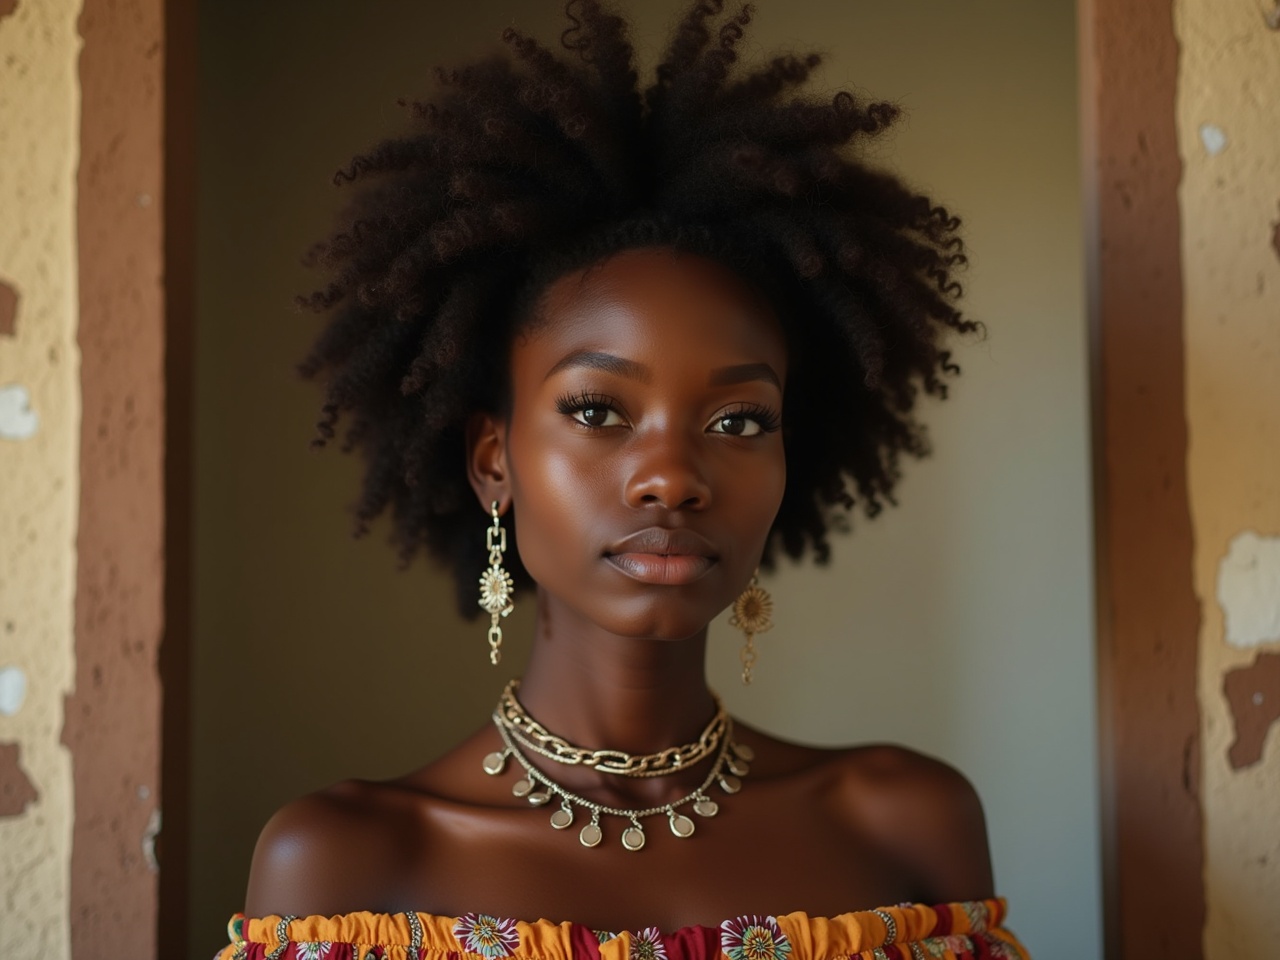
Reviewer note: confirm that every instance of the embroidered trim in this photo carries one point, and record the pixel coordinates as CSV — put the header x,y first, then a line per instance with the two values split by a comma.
x,y
282,938
890,925
415,935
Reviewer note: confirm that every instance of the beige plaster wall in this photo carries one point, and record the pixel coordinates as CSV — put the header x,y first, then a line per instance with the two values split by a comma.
x,y
39,449
1229,133
960,623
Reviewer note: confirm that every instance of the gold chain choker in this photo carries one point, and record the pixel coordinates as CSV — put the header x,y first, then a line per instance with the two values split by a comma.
x,y
731,763
535,738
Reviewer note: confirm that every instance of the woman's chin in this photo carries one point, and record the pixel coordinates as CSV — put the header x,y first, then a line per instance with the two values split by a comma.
x,y
660,627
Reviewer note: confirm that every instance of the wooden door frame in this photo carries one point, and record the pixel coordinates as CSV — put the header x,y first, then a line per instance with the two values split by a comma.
x,y
127,720
1148,616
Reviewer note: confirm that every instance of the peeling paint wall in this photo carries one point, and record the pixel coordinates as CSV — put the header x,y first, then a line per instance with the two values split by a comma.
x,y
1228,104
39,450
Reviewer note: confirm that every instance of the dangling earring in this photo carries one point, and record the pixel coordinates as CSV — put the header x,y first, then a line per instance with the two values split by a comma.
x,y
496,585
752,614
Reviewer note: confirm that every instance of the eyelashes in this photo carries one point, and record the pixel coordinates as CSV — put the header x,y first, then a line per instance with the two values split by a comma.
x,y
571,403
589,410
596,411
767,418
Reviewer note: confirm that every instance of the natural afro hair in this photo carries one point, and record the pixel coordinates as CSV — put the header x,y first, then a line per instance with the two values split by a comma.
x,y
528,165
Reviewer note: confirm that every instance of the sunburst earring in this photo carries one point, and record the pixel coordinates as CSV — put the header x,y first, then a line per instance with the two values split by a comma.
x,y
496,585
752,614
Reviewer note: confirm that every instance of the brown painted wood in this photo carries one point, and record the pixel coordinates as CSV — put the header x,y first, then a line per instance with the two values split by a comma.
x,y
180,111
113,716
1148,616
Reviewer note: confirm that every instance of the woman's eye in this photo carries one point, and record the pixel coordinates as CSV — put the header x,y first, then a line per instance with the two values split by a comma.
x,y
736,425
746,420
590,410
597,417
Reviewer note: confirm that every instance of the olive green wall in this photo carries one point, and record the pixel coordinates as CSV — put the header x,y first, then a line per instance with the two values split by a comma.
x,y
959,623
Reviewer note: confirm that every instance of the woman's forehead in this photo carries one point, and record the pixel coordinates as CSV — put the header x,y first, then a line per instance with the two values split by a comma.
x,y
656,301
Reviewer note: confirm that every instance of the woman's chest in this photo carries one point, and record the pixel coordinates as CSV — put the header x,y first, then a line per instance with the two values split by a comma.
x,y
763,855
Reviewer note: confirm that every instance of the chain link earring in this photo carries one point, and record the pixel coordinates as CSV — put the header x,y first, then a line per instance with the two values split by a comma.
x,y
496,585
752,614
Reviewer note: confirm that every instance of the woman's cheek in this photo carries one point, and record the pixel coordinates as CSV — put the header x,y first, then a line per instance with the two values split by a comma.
x,y
556,501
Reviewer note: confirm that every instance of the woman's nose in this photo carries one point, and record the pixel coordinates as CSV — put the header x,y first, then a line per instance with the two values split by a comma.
x,y
668,472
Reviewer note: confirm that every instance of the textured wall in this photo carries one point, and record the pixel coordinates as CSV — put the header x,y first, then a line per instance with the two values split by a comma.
x,y
39,447
113,716
1229,102
1148,615
959,623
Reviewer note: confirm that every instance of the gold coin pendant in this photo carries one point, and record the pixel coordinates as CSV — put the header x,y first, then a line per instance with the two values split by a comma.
x,y
591,835
633,837
728,783
562,818
495,763
737,767
681,825
522,787
744,752
538,797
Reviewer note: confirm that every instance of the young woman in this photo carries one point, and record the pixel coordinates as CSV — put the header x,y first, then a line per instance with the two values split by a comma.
x,y
610,353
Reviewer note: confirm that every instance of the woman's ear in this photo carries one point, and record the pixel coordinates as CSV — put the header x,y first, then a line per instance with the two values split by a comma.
x,y
487,461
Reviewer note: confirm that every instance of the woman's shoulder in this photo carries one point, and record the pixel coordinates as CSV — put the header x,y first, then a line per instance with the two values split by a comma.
x,y
873,773
926,812
908,778
352,845
319,852
920,810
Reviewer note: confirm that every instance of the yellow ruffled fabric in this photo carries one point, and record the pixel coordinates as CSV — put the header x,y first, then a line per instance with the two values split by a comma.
x,y
954,931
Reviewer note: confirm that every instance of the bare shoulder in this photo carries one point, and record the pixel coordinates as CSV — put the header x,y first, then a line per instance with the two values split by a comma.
x,y
922,811
919,813
333,851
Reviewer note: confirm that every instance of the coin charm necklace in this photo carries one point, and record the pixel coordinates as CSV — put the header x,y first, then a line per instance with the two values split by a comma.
x,y
731,763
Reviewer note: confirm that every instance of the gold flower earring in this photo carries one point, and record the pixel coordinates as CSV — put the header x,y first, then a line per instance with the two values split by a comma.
x,y
496,585
752,614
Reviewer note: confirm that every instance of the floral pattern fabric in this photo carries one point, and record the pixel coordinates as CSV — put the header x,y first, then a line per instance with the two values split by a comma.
x,y
949,931
647,945
313,950
487,936
753,938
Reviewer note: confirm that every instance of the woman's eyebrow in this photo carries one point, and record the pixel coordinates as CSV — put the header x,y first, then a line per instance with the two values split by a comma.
x,y
602,361
744,372
720,377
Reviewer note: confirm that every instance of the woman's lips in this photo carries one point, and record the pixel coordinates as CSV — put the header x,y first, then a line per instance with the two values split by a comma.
x,y
663,556
672,569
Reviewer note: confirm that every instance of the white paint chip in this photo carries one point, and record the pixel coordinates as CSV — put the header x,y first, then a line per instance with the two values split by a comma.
x,y
13,690
1249,590
149,834
17,420
1213,137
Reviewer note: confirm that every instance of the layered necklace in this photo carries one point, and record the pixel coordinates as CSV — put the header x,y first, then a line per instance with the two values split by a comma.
x,y
520,733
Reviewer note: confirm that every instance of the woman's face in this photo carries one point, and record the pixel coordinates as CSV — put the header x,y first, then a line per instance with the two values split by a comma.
x,y
644,454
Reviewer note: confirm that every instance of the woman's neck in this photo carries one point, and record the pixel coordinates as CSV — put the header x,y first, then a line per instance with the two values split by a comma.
x,y
599,690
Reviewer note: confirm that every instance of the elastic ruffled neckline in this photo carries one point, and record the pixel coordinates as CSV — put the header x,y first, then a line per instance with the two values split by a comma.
x,y
942,928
